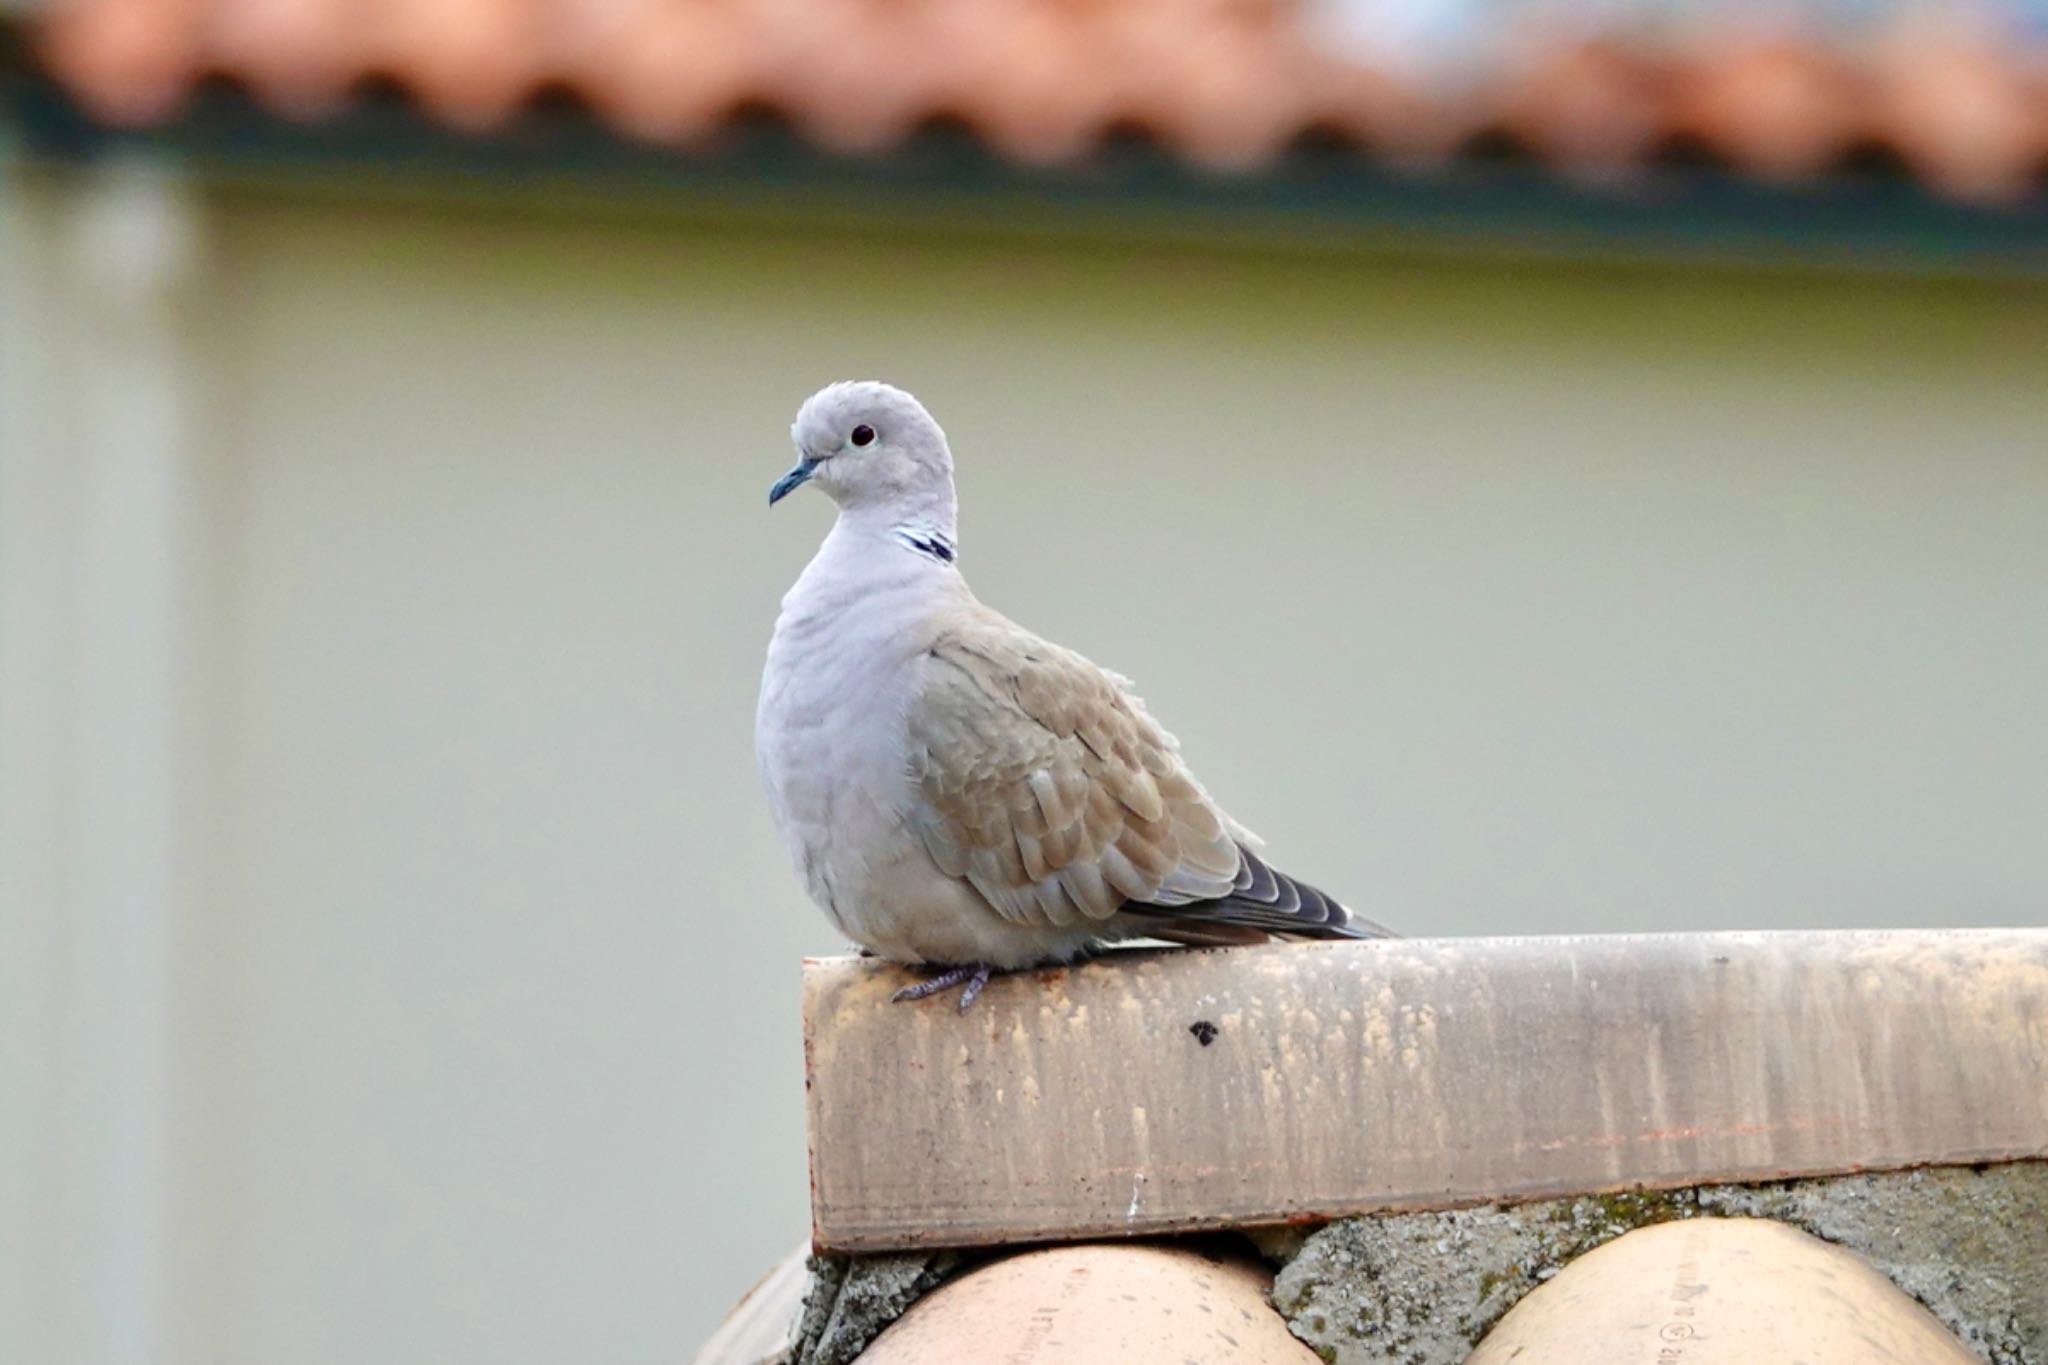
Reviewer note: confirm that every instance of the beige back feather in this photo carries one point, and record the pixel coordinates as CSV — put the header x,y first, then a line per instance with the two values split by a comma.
x,y
1049,789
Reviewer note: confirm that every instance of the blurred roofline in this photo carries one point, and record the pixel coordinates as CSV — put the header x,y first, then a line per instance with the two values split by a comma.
x,y
1952,93
1494,201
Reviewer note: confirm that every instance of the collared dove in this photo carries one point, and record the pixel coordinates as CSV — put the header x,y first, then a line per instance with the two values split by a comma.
x,y
956,791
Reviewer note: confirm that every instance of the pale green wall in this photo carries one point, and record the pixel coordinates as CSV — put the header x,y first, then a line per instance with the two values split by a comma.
x,y
1499,599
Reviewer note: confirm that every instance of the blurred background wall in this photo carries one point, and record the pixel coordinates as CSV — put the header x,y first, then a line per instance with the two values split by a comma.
x,y
399,962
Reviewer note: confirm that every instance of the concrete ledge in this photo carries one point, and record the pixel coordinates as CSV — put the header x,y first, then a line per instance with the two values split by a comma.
x,y
1169,1091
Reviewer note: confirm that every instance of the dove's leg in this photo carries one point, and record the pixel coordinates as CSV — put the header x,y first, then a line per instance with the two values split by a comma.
x,y
973,977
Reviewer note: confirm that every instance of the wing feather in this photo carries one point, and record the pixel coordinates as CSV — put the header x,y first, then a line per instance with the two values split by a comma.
x,y
1043,782
1049,787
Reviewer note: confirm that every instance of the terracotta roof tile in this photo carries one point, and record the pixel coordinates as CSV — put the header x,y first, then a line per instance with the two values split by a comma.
x,y
1957,91
1781,109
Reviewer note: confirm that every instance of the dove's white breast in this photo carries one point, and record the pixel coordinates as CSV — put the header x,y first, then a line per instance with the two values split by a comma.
x,y
830,731
847,663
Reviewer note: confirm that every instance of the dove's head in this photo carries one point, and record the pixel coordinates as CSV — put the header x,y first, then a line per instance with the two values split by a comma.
x,y
870,445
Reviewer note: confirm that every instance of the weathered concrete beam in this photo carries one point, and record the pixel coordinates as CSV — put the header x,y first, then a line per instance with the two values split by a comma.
x,y
1168,1091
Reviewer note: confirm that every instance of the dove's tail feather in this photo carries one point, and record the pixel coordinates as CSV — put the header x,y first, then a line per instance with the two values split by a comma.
x,y
1269,902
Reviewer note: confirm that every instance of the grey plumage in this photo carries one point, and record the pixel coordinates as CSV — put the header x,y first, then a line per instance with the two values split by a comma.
x,y
953,788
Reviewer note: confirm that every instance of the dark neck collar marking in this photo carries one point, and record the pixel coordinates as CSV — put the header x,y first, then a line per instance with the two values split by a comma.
x,y
927,542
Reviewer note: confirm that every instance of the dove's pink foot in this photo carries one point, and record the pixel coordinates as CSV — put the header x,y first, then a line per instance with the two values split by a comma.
x,y
975,976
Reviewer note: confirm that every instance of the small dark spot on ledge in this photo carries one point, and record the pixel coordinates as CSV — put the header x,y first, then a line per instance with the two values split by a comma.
x,y
1204,1031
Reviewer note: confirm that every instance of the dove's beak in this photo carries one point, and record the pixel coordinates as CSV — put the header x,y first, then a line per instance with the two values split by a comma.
x,y
798,475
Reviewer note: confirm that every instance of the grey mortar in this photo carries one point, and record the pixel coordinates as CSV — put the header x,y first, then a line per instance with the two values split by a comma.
x,y
1971,1243
852,1298
1423,1288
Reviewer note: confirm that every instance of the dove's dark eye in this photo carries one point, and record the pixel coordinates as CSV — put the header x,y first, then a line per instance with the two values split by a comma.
x,y
863,435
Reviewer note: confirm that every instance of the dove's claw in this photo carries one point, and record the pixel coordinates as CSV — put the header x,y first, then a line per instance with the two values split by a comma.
x,y
973,987
973,977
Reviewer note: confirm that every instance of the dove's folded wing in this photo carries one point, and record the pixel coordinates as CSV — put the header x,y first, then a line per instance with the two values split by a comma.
x,y
1041,781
